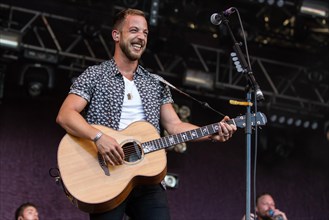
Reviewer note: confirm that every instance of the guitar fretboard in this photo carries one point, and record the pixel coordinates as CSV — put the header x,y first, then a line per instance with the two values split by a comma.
x,y
164,142
171,140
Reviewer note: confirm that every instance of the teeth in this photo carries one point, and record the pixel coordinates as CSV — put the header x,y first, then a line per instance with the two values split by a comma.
x,y
138,46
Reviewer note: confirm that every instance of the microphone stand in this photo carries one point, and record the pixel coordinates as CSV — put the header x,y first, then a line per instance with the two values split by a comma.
x,y
252,85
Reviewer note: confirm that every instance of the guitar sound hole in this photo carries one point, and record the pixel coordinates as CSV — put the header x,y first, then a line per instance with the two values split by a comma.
x,y
133,152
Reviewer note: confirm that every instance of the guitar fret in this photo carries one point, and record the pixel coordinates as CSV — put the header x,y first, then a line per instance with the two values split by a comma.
x,y
194,134
165,142
170,140
189,137
156,143
184,137
177,138
205,131
161,139
180,138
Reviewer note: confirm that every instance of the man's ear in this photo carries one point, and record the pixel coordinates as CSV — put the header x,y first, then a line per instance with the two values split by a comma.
x,y
115,35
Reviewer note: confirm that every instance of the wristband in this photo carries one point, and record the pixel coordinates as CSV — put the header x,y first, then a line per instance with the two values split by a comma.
x,y
98,136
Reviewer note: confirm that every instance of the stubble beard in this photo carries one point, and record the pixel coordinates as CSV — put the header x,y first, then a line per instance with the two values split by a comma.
x,y
129,54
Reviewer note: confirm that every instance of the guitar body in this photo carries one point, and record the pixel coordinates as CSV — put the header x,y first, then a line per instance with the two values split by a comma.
x,y
95,187
84,180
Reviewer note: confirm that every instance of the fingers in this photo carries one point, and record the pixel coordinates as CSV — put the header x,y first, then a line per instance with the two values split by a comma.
x,y
110,150
113,157
278,212
226,130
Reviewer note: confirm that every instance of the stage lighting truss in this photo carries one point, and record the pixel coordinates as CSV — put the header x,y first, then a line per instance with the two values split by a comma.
x,y
284,84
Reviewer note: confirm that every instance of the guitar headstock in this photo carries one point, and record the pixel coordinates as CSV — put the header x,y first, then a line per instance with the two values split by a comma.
x,y
258,119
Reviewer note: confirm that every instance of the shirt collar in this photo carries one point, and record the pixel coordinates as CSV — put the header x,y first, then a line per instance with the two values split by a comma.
x,y
140,70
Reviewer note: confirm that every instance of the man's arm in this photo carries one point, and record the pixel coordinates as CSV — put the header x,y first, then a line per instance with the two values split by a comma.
x,y
70,119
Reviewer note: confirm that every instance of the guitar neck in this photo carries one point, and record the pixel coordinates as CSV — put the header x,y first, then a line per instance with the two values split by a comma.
x,y
167,141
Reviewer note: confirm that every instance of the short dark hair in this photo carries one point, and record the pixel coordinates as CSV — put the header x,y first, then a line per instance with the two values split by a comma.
x,y
262,194
22,207
120,16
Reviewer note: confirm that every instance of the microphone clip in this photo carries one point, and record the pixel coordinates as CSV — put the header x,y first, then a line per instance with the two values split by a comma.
x,y
217,18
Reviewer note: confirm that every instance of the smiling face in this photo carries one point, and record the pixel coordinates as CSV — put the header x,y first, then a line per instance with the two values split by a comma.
x,y
131,36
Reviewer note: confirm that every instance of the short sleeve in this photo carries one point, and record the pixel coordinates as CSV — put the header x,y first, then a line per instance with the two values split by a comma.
x,y
85,83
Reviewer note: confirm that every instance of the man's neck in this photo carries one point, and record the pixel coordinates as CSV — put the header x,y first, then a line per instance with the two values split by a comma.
x,y
126,67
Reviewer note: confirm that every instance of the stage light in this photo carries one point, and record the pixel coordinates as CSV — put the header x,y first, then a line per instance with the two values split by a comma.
x,y
290,121
199,79
282,119
35,88
10,39
184,112
270,2
280,3
315,76
314,125
155,5
273,118
180,148
315,8
298,122
306,124
236,62
37,78
171,180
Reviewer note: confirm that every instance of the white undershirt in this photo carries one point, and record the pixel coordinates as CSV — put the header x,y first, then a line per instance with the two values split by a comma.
x,y
132,109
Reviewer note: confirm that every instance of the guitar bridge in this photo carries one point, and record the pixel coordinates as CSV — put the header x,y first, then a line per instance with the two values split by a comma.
x,y
103,164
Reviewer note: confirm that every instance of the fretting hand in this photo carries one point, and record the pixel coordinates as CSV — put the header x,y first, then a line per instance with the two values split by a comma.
x,y
225,130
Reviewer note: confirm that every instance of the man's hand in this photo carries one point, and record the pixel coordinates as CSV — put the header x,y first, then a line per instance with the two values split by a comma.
x,y
111,151
225,131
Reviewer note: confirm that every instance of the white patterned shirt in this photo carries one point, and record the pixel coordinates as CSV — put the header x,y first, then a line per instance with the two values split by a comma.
x,y
103,87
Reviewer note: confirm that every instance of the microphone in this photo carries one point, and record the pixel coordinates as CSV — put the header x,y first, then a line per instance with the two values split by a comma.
x,y
274,217
216,18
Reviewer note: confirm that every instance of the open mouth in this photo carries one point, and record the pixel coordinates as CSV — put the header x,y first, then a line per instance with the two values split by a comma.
x,y
137,46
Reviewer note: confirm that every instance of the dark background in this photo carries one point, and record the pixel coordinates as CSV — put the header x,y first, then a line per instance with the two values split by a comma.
x,y
292,162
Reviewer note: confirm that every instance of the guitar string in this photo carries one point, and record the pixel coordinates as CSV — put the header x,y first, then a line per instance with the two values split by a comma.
x,y
130,148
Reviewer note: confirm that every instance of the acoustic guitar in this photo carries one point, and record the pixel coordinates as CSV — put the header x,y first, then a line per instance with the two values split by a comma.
x,y
93,186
